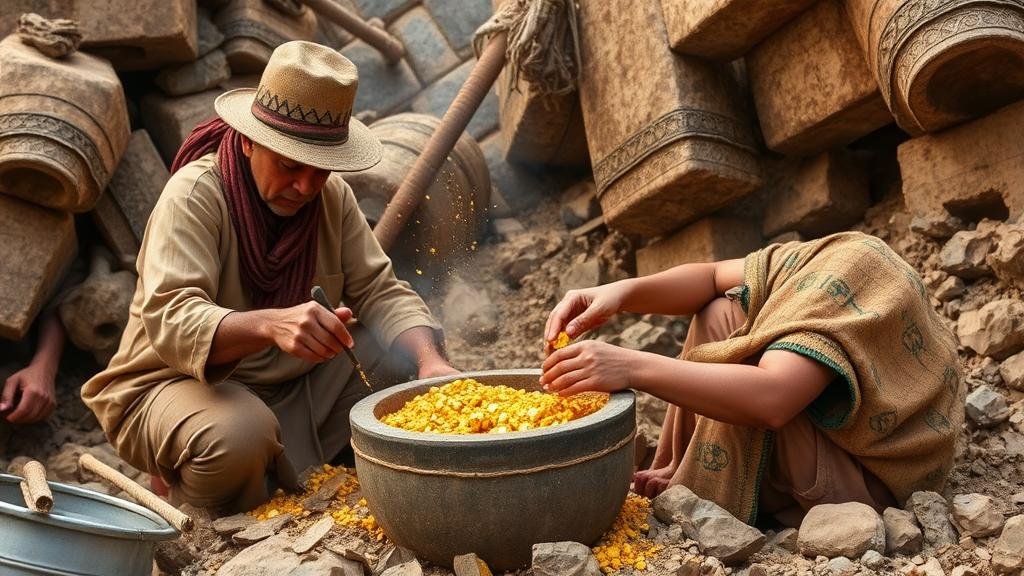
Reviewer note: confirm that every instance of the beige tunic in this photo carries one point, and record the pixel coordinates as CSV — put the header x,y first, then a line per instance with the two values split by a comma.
x,y
189,281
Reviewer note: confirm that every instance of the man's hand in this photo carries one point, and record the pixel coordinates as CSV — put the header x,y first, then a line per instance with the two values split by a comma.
x,y
588,366
439,367
29,395
310,332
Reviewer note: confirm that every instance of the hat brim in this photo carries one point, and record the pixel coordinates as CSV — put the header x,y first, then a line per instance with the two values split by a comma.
x,y
360,151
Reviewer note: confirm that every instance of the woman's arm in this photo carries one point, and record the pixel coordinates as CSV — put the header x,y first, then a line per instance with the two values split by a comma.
x,y
764,396
681,290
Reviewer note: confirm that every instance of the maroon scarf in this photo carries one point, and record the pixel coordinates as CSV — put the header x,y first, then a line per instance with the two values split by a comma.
x,y
278,254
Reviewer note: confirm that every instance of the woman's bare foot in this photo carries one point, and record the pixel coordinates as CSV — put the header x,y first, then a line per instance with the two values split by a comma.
x,y
654,481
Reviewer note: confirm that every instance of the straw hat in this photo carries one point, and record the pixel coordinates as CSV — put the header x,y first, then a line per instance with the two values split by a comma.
x,y
302,109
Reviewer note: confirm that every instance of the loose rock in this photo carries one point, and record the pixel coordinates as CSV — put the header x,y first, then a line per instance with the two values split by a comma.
x,y
848,529
872,559
274,557
470,565
564,559
931,567
1007,259
932,514
262,530
964,571
950,288
902,534
939,227
976,515
313,535
1008,551
321,499
841,565
230,524
964,254
719,533
996,330
986,407
1012,371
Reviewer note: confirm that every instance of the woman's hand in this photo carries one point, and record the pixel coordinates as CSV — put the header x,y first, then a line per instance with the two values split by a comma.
x,y
589,366
583,310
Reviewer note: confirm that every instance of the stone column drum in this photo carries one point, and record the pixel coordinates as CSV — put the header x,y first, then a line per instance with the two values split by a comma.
x,y
63,126
453,213
941,62
667,140
253,28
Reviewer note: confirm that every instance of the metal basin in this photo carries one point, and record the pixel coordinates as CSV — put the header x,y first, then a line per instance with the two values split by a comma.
x,y
497,495
86,533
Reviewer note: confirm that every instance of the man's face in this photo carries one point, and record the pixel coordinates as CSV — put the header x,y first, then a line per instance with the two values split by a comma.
x,y
284,184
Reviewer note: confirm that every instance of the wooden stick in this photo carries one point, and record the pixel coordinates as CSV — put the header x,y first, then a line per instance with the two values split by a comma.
x,y
175,517
390,47
442,141
34,488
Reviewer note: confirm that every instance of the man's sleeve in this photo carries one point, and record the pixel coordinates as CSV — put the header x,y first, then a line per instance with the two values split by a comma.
x,y
179,271
383,303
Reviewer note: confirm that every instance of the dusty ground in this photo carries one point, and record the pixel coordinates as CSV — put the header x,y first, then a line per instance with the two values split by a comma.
x,y
983,462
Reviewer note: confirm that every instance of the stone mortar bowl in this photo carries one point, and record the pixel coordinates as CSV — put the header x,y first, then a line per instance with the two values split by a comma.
x,y
496,495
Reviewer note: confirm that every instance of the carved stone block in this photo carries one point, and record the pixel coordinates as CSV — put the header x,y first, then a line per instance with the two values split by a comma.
x,y
139,34
169,120
824,194
972,171
667,138
36,245
63,126
725,29
253,28
706,240
812,88
123,212
941,62
540,129
133,35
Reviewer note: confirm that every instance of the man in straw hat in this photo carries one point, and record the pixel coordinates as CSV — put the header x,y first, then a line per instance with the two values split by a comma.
x,y
813,372
228,374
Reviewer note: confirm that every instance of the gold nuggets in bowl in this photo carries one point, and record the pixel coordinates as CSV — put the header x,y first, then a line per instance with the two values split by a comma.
x,y
468,407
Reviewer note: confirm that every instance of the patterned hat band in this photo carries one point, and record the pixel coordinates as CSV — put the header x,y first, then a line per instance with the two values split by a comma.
x,y
307,125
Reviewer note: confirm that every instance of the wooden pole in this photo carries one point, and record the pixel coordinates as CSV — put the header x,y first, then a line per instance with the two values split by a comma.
x,y
34,488
175,517
442,141
392,48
